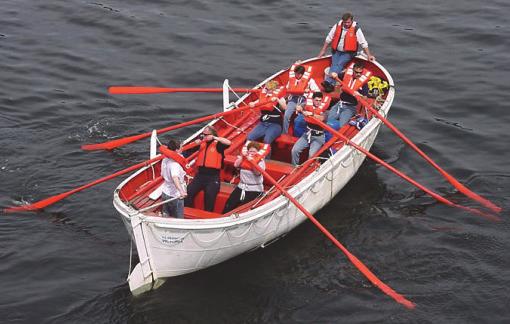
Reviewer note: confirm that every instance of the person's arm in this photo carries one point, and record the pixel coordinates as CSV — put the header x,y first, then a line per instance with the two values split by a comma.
x,y
238,161
175,170
223,140
364,45
327,41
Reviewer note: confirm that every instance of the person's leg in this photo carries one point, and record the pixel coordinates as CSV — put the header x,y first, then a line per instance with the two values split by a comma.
x,y
272,132
233,200
257,132
338,61
300,145
315,145
334,112
299,125
289,111
193,189
211,191
346,113
249,196
165,209
177,208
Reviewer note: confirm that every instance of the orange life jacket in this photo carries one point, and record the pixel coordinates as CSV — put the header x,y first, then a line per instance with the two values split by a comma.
x,y
324,105
265,97
174,156
352,84
350,39
295,86
261,154
208,156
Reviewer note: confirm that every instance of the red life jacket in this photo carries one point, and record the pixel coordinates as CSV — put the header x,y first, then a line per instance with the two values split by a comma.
x,y
324,105
295,86
174,156
209,157
262,153
265,97
350,39
352,84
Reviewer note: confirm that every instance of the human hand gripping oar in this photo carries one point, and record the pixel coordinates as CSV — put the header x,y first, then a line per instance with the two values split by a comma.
x,y
110,145
459,186
357,263
155,90
404,176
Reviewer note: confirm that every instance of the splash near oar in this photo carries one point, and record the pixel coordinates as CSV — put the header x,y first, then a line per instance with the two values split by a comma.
x,y
110,145
156,90
459,186
354,260
54,199
404,176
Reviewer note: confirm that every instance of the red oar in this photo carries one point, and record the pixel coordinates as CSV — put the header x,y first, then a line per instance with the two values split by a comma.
x,y
459,186
154,90
51,200
404,176
110,145
357,263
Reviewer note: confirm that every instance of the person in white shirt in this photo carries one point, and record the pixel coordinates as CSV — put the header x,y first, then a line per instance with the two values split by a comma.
x,y
344,38
174,185
251,183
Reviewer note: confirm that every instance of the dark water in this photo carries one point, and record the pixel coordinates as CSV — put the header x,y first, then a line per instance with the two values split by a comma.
x,y
68,264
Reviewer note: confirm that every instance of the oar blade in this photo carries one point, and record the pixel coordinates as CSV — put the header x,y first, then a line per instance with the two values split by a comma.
x,y
38,205
110,145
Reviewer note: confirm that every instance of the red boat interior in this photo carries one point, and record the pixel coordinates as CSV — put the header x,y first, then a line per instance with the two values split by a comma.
x,y
235,127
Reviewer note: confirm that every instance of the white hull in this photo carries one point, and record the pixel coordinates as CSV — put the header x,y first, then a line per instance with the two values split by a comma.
x,y
170,247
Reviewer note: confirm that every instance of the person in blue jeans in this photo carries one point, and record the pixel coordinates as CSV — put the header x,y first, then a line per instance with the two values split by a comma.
x,y
313,137
174,185
345,108
344,38
271,117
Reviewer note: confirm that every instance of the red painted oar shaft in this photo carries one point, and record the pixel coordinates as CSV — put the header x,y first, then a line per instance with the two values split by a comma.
x,y
403,175
459,186
155,90
110,145
357,263
51,200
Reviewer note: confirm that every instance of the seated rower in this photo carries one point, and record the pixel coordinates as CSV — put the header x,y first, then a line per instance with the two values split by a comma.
x,y
314,135
300,83
251,183
270,124
354,85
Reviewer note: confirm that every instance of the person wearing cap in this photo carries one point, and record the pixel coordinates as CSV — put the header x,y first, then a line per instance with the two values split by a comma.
x,y
344,38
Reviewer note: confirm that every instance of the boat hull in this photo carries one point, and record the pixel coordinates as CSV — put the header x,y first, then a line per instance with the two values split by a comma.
x,y
170,247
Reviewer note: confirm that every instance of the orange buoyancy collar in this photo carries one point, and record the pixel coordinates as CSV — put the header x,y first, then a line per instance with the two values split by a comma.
x,y
209,157
174,156
295,86
350,39
324,105
261,154
354,84
266,97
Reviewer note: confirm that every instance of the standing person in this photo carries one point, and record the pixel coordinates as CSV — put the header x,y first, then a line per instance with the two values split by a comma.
x,y
174,185
344,38
251,183
271,115
314,135
209,161
355,81
300,83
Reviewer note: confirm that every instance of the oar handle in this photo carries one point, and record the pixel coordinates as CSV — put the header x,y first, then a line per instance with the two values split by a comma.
x,y
355,261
